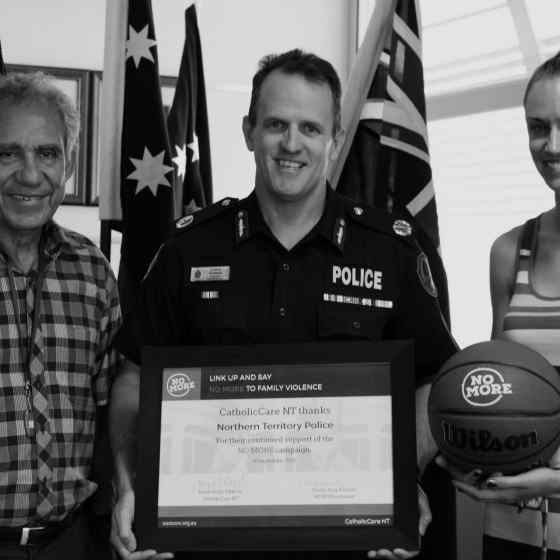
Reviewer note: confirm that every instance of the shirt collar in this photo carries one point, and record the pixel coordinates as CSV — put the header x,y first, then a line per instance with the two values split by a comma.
x,y
54,240
250,222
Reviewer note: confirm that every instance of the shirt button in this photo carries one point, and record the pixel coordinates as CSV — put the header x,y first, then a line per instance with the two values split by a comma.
x,y
356,324
282,312
285,267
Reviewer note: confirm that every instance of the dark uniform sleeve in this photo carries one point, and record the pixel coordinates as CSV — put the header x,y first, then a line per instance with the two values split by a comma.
x,y
157,319
161,317
418,316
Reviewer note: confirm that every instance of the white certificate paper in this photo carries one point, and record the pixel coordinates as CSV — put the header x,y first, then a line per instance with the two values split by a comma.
x,y
275,445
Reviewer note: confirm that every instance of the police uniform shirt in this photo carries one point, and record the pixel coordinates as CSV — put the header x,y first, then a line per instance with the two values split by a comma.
x,y
225,279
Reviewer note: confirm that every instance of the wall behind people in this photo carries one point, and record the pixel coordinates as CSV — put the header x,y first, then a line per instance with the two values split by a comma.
x,y
234,35
485,184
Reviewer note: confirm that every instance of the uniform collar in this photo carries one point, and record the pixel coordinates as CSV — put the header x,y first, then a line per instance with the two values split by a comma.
x,y
333,223
249,220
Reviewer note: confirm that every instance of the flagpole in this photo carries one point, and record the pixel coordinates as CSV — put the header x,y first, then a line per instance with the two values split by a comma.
x,y
361,76
112,99
3,69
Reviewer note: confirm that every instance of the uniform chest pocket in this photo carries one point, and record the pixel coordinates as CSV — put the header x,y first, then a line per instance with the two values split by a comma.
x,y
341,323
219,320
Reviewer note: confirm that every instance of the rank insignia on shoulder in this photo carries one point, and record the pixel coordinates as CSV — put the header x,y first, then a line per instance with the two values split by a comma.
x,y
339,232
203,215
184,221
425,275
242,225
402,228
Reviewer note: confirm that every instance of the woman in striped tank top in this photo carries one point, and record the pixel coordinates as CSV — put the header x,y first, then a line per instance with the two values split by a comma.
x,y
525,289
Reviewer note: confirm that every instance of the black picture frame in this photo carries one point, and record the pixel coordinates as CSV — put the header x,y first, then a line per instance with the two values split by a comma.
x,y
75,83
95,128
395,358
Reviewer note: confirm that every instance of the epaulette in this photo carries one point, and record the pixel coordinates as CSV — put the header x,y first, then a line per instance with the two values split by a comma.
x,y
399,228
395,225
189,221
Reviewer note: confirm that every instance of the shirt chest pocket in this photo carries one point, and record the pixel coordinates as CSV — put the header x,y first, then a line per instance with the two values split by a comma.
x,y
336,322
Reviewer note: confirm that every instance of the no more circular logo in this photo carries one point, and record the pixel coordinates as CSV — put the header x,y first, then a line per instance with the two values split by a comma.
x,y
484,386
179,384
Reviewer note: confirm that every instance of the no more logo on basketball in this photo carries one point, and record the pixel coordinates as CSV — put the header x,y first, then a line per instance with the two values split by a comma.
x,y
179,384
484,386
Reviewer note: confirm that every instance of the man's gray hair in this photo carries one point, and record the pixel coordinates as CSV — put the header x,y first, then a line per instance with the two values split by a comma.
x,y
21,88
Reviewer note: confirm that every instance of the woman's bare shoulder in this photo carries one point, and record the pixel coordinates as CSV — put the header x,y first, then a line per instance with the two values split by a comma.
x,y
504,248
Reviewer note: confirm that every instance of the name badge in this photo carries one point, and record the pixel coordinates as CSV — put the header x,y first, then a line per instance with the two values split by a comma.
x,y
210,273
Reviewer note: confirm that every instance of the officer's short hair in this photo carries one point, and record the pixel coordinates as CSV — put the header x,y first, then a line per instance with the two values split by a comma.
x,y
548,69
308,65
19,88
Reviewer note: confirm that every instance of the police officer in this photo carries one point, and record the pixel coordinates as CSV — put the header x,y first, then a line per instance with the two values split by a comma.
x,y
292,262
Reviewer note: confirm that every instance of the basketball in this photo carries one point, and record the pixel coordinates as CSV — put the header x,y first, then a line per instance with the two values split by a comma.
x,y
495,406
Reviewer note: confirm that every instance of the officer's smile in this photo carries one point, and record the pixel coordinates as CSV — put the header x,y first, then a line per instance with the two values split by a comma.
x,y
289,165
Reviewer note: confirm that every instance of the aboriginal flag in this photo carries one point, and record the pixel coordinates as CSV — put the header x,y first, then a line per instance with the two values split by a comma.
x,y
188,125
146,167
388,162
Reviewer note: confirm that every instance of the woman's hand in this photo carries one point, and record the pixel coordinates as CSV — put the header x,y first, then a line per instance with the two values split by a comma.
x,y
515,489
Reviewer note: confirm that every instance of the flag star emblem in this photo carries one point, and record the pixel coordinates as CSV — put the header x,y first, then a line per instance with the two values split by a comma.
x,y
138,45
180,160
193,147
150,171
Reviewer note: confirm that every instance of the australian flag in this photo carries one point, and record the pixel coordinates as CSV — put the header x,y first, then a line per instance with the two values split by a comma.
x,y
146,167
188,125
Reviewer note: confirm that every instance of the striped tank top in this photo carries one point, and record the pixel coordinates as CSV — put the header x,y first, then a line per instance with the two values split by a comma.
x,y
532,320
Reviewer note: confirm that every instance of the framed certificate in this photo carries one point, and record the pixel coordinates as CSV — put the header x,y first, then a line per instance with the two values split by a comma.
x,y
269,447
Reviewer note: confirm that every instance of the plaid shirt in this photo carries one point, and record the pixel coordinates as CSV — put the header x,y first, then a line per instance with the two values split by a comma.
x,y
79,316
